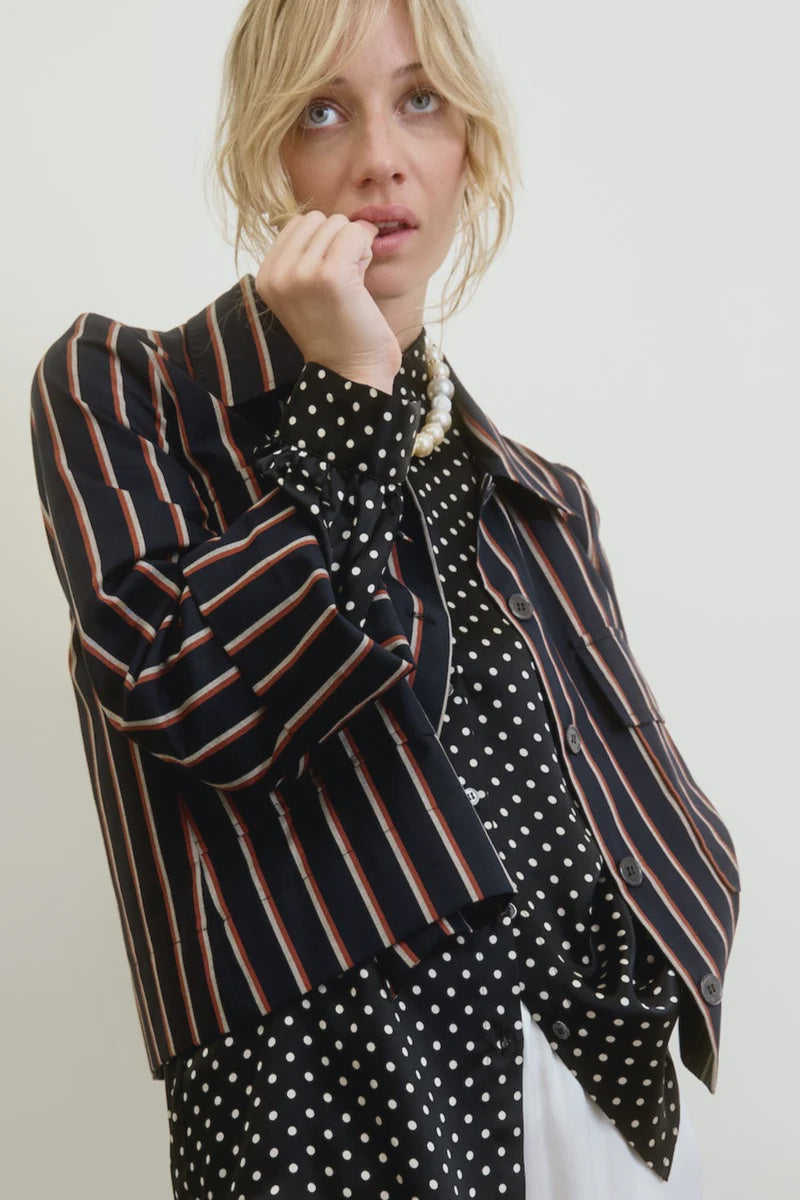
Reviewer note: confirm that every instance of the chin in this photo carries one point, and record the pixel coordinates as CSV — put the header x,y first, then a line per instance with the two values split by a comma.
x,y
392,279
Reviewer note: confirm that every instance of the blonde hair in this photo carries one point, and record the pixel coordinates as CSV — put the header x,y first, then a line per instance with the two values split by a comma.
x,y
281,50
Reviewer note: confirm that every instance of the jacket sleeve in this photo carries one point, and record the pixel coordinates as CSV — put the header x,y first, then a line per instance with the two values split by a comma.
x,y
223,652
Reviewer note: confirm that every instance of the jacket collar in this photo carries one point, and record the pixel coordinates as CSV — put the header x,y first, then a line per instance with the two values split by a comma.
x,y
239,349
505,458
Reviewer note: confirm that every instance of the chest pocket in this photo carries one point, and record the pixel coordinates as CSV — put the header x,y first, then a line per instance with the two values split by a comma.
x,y
608,659
611,666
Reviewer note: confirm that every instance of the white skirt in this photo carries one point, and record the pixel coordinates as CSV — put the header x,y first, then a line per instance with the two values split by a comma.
x,y
573,1152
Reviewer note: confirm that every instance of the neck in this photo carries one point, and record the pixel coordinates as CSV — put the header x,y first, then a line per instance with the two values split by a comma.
x,y
406,338
403,314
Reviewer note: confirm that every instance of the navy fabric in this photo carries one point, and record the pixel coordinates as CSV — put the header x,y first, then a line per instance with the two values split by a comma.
x,y
276,802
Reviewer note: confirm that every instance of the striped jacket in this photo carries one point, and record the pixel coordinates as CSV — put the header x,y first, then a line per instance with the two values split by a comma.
x,y
275,802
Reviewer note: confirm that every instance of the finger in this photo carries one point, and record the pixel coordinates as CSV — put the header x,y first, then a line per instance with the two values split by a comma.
x,y
297,233
329,236
286,251
305,243
351,243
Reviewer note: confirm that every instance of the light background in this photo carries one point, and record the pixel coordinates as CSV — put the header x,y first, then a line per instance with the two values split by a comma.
x,y
640,326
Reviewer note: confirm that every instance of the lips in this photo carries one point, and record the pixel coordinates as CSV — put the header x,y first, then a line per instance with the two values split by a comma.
x,y
380,214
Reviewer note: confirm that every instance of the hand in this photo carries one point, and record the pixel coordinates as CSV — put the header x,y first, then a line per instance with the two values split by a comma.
x,y
313,280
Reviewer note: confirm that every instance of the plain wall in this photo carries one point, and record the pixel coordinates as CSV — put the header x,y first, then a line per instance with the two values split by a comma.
x,y
641,325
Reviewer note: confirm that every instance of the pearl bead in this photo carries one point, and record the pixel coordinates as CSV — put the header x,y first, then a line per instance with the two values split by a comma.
x,y
443,419
441,387
440,392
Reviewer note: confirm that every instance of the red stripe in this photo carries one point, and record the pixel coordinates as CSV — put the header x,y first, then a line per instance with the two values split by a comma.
x,y
378,803
200,919
209,606
168,908
407,754
230,923
311,882
277,919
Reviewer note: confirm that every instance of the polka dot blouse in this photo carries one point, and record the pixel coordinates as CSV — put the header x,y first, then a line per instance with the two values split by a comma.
x,y
401,1078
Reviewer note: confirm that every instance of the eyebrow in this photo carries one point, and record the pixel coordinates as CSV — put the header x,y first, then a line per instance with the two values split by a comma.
x,y
408,69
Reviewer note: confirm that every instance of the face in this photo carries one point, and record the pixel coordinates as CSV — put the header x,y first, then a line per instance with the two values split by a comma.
x,y
382,136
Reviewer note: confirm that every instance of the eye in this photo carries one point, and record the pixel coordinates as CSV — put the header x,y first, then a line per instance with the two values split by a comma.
x,y
429,94
320,106
316,106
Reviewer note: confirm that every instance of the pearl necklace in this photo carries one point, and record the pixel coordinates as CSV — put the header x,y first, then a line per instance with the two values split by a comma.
x,y
440,393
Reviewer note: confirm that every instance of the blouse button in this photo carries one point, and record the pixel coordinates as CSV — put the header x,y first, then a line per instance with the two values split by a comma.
x,y
520,605
560,1030
450,689
474,794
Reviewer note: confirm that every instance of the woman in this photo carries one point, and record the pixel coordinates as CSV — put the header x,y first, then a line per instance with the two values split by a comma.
x,y
351,674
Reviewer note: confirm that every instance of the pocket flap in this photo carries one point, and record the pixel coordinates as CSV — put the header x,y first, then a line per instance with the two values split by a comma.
x,y
607,656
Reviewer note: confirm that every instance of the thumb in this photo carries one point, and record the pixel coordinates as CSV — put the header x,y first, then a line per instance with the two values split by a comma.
x,y
366,255
363,263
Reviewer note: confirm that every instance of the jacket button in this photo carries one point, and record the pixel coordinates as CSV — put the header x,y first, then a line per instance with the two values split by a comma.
x,y
520,605
711,989
630,870
573,739
560,1030
474,794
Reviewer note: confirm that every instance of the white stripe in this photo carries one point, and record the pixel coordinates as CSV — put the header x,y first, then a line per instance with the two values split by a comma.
x,y
172,714
307,878
296,651
166,891
258,569
102,799
87,531
132,863
226,549
199,873
276,612
256,329
221,419
271,909
375,800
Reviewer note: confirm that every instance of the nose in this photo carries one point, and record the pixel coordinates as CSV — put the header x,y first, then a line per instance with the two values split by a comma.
x,y
378,153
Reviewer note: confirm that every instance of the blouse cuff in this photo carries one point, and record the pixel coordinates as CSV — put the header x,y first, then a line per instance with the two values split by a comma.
x,y
359,427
